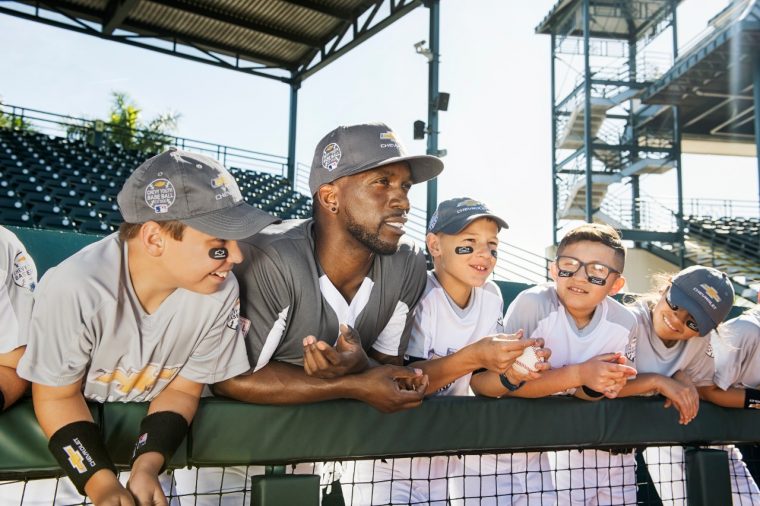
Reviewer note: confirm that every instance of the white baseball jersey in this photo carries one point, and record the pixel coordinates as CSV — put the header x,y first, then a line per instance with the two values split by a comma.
x,y
737,352
540,313
87,323
441,327
650,355
18,278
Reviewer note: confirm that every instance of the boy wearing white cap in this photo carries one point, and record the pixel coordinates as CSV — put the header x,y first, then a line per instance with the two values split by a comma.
x,y
146,315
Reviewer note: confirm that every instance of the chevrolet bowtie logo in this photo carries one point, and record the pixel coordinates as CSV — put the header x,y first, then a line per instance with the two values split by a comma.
x,y
711,292
139,381
75,459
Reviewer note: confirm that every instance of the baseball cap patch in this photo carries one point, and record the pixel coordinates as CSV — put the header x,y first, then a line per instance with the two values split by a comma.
x,y
711,292
24,271
331,156
160,195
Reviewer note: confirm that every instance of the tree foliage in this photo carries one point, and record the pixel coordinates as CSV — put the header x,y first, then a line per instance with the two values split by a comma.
x,y
126,127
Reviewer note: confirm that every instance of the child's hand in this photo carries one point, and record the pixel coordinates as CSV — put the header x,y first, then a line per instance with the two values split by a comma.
x,y
497,353
143,481
606,374
682,395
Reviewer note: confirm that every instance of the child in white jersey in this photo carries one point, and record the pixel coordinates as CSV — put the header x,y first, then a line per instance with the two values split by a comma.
x,y
737,385
673,357
456,330
587,332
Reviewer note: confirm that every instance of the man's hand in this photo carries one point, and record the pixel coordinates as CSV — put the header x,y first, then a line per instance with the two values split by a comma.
x,y
324,361
682,394
105,490
143,481
606,373
391,388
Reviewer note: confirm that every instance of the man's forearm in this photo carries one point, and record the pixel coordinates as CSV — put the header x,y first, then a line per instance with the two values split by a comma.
x,y
281,383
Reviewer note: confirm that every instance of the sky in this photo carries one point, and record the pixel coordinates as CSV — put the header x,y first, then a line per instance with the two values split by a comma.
x,y
496,131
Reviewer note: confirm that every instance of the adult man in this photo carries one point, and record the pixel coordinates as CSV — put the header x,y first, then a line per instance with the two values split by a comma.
x,y
305,283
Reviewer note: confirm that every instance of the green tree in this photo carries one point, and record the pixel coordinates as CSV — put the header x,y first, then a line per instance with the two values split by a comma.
x,y
126,127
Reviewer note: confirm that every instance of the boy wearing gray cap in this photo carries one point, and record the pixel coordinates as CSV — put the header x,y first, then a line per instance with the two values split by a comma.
x,y
150,314
457,330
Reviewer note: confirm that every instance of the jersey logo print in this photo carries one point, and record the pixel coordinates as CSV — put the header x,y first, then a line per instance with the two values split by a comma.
x,y
75,459
139,381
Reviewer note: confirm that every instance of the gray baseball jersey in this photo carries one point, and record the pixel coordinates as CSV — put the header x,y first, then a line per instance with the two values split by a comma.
x,y
737,352
540,313
649,354
88,322
286,296
18,277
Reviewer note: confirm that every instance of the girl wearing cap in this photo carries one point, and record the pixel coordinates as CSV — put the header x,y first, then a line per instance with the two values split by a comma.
x,y
673,357
737,385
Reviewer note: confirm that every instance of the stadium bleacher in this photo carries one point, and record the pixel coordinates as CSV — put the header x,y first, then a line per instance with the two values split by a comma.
x,y
55,183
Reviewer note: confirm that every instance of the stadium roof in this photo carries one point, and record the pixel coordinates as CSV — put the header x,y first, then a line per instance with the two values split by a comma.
x,y
610,19
286,40
713,82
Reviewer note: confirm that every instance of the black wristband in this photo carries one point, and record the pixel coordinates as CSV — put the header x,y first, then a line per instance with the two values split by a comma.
x,y
2,401
508,384
160,432
591,393
751,398
80,452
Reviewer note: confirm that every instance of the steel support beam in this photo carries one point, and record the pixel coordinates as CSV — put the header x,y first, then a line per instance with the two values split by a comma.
x,y
677,149
756,94
292,128
432,140
116,12
587,110
555,190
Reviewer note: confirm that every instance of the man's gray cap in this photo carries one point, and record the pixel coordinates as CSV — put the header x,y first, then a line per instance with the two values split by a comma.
x,y
349,150
453,215
706,293
193,189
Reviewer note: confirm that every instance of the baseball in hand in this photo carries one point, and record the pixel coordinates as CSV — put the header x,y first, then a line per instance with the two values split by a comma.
x,y
526,362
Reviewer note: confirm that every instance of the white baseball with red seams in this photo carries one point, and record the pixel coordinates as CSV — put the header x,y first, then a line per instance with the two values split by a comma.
x,y
526,362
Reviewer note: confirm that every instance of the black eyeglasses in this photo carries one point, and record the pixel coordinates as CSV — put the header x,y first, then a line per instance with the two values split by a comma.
x,y
689,323
597,273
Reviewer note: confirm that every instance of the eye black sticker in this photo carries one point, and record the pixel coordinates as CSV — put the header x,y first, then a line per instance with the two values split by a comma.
x,y
463,250
218,253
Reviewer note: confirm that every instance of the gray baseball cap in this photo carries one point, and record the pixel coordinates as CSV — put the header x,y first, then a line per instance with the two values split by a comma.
x,y
453,215
193,189
706,293
349,150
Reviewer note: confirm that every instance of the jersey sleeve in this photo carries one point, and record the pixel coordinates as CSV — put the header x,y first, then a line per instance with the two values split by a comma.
x,y
266,301
393,340
701,368
526,311
421,338
59,342
737,350
221,352
19,278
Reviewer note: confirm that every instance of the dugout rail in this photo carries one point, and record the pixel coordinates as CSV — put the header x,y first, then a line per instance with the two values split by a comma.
x,y
227,432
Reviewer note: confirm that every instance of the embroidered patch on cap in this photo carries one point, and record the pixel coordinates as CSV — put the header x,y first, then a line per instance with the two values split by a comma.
x,y
23,271
160,195
331,156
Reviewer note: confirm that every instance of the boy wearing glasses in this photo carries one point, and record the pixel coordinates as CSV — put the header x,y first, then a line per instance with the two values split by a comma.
x,y
588,333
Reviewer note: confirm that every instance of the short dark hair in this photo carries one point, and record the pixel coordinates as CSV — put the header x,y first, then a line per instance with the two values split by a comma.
x,y
596,232
174,228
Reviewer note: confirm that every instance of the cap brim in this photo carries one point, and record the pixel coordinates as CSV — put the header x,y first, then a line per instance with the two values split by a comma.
x,y
457,226
422,167
232,223
681,299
